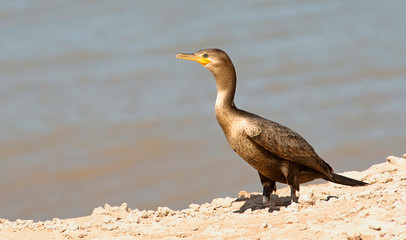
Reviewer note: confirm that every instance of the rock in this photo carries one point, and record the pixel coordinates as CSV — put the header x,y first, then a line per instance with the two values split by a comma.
x,y
194,206
222,202
100,211
124,207
134,216
163,211
244,195
248,211
396,160
264,225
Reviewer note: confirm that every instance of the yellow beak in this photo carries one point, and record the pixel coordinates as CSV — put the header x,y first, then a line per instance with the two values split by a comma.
x,y
193,57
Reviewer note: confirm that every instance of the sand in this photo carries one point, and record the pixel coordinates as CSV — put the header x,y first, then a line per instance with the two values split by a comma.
x,y
324,211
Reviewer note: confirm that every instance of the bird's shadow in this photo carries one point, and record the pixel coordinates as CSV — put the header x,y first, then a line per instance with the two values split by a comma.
x,y
254,202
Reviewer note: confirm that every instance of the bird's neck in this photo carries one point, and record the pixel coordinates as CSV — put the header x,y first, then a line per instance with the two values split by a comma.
x,y
226,81
225,108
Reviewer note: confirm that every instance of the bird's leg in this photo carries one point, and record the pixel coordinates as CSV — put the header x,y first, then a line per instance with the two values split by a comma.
x,y
291,180
268,187
293,198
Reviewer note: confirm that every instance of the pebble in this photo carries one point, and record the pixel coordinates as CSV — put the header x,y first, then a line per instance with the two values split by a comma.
x,y
213,230
109,227
307,198
72,227
302,227
401,220
132,218
292,207
82,235
398,204
374,227
364,214
181,235
106,219
292,219
144,214
357,209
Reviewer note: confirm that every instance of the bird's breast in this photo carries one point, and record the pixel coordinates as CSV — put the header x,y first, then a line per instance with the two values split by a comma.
x,y
241,143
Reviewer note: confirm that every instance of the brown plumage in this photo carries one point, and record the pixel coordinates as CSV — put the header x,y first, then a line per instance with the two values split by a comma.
x,y
275,151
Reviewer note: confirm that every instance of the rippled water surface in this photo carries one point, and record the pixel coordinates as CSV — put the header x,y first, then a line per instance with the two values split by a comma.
x,y
95,108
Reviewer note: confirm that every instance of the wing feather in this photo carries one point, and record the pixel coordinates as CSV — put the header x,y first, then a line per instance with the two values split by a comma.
x,y
285,143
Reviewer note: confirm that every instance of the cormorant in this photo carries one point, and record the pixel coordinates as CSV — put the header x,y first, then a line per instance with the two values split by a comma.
x,y
278,153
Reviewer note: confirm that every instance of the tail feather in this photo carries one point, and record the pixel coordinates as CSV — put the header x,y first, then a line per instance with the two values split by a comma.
x,y
345,180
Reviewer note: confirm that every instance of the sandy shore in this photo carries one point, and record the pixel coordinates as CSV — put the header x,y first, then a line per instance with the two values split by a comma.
x,y
325,211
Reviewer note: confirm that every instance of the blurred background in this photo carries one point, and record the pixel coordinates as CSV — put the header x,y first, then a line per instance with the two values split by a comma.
x,y
94,107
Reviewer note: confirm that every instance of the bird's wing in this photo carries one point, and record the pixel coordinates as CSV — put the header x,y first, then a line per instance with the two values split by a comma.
x,y
285,143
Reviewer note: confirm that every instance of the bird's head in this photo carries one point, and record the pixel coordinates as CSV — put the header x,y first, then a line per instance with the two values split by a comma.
x,y
213,59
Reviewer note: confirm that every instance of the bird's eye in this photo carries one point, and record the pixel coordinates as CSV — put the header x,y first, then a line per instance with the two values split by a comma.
x,y
205,55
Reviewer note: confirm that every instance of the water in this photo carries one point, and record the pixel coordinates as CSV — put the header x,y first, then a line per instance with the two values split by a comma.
x,y
95,108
